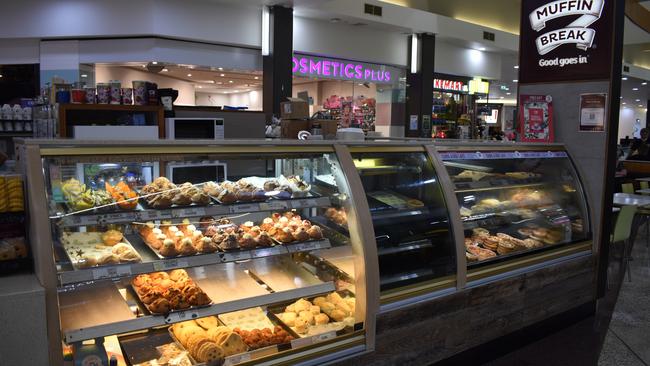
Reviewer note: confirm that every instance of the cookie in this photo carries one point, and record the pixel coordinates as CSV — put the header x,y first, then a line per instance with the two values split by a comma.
x,y
210,352
208,322
233,345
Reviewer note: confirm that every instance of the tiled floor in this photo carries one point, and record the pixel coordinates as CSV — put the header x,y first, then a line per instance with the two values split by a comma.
x,y
619,333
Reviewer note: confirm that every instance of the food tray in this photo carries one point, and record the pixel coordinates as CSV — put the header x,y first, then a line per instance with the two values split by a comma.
x,y
343,327
93,239
137,296
272,320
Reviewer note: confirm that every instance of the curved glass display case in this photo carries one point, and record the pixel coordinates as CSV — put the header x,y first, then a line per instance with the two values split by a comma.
x,y
229,242
516,203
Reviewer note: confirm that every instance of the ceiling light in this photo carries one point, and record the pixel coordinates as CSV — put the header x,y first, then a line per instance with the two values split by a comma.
x,y
624,103
635,89
189,75
230,81
516,66
481,48
84,75
620,97
644,83
219,82
257,77
144,65
154,62
220,68
508,93
515,81
415,54
623,78
164,70
200,87
501,97
222,75
266,31
640,105
235,91
637,100
0,75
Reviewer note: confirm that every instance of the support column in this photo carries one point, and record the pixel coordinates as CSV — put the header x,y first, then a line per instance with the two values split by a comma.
x,y
419,88
278,65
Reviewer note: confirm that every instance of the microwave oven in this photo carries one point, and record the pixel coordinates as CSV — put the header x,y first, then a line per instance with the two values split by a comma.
x,y
188,128
197,172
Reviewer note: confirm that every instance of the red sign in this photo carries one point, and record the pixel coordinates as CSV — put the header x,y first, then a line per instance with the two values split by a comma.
x,y
448,85
536,118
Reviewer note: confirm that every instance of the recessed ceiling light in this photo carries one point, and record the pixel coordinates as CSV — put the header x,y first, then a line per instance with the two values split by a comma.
x,y
501,97
84,75
508,93
635,89
640,105
154,62
220,68
0,75
644,83
620,97
257,77
623,78
516,66
624,103
230,81
219,82
200,87
481,48
165,70
515,81
144,65
235,91
637,100
189,75
222,75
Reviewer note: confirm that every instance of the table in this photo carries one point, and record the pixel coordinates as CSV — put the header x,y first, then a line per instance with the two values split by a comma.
x,y
643,191
628,199
645,179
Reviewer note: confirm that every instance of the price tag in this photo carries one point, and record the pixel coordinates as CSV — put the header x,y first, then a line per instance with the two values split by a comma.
x,y
237,359
112,272
323,337
244,208
267,252
119,217
180,316
191,212
305,203
301,342
274,206
303,247
237,256
152,215
170,264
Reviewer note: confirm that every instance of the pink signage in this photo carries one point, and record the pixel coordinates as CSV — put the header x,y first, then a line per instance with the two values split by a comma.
x,y
338,69
448,85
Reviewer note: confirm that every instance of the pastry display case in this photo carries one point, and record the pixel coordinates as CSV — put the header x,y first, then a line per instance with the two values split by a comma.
x,y
519,205
252,268
415,242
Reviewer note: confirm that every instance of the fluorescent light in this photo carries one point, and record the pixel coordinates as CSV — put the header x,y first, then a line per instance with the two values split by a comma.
x,y
637,100
644,83
640,105
257,77
481,48
189,75
501,97
508,93
200,87
144,65
154,62
516,66
635,89
84,75
624,103
266,38
415,53
220,68
165,70
623,78
515,81
222,75
0,75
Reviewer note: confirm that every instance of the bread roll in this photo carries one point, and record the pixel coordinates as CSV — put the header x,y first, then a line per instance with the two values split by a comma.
x,y
321,319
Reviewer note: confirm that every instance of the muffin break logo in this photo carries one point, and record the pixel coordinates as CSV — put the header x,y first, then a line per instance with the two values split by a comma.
x,y
575,32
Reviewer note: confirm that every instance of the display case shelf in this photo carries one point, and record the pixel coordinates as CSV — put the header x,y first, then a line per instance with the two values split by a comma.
x,y
124,270
493,185
126,217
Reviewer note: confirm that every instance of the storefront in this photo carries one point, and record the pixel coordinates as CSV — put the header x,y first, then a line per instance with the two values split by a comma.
x,y
454,105
357,94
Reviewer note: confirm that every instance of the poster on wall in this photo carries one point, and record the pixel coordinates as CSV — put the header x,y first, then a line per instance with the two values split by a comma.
x,y
536,118
565,40
592,112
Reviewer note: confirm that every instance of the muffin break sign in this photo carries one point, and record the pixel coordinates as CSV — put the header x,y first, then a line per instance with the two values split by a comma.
x,y
565,40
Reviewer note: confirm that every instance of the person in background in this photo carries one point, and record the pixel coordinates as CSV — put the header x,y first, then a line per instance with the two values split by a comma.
x,y
639,147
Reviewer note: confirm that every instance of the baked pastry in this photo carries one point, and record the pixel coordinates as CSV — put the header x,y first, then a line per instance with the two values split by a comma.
x,y
211,188
229,242
263,240
247,241
196,236
112,237
479,231
247,226
315,232
284,235
185,247
168,248
126,253
206,221
471,174
160,305
505,247
300,234
226,196
321,319
481,253
244,196
271,185
532,243
471,257
178,274
267,224
108,258
491,242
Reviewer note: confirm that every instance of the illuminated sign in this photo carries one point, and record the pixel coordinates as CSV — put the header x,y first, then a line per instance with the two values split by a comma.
x,y
449,85
478,86
339,69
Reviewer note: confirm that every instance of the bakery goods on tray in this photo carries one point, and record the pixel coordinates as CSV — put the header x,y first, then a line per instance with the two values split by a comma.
x,y
338,216
90,249
207,341
548,236
162,292
78,197
289,227
522,175
322,314
161,193
125,197
170,240
170,355
471,175
255,328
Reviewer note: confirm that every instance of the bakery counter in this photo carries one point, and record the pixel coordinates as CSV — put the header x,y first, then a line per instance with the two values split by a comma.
x,y
106,308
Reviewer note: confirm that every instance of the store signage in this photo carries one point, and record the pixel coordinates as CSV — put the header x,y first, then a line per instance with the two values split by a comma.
x,y
449,85
565,40
339,69
536,118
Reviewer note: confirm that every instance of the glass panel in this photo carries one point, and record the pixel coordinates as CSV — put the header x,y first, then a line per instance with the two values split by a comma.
x,y
515,203
255,232
412,229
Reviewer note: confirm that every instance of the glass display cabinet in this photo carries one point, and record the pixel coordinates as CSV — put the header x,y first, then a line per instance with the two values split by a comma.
x,y
415,244
519,205
262,262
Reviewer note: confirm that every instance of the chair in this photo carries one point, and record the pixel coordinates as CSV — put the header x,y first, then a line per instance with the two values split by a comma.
x,y
622,232
627,188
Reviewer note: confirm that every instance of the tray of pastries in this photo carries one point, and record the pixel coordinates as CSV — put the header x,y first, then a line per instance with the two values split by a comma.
x,y
162,292
124,196
79,197
321,314
181,239
483,245
170,355
207,341
254,189
162,193
257,329
91,249
289,227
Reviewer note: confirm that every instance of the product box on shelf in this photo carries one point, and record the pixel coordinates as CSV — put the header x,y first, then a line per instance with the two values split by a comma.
x,y
291,127
294,108
328,127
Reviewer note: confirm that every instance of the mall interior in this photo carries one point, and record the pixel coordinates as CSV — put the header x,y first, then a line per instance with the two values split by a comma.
x,y
331,182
